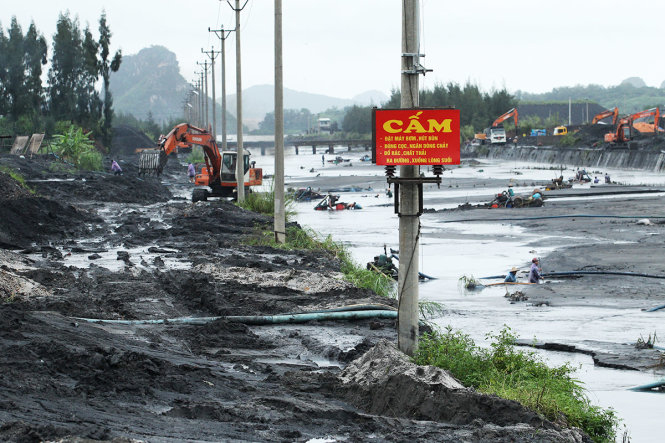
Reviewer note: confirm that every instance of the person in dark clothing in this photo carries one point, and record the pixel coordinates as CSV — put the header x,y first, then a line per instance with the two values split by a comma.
x,y
535,272
115,168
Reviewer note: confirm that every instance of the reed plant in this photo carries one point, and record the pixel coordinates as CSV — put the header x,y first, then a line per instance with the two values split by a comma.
x,y
518,375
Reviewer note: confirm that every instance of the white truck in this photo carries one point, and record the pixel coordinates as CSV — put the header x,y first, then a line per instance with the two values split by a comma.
x,y
496,135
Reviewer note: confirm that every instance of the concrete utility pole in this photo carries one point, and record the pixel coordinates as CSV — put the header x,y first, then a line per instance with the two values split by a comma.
x,y
409,222
204,81
280,213
197,91
223,35
202,98
212,54
240,170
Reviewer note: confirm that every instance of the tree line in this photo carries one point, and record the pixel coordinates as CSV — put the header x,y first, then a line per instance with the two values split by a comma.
x,y
78,62
478,110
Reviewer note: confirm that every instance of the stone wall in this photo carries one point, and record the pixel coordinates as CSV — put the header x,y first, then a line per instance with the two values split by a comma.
x,y
642,159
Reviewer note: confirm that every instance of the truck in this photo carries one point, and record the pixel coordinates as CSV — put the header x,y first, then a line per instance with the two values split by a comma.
x,y
560,130
497,134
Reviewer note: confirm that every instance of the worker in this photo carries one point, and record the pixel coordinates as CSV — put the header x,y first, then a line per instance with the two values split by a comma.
x,y
512,276
535,272
536,194
332,199
511,193
191,172
323,159
596,180
115,168
607,178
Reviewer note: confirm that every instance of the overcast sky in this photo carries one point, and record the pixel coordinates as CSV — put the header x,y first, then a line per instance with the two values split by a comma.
x,y
345,47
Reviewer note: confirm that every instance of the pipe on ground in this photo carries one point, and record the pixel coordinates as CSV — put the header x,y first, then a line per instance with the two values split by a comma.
x,y
257,319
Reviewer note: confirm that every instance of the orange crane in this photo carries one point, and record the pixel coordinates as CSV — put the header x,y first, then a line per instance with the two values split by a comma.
x,y
217,178
612,112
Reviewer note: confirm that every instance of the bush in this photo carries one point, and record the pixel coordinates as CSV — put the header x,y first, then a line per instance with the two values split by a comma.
x,y
568,140
517,375
75,147
264,203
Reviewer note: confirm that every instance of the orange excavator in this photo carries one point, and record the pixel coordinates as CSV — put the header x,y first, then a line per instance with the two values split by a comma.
x,y
217,178
496,134
643,126
622,134
614,113
624,129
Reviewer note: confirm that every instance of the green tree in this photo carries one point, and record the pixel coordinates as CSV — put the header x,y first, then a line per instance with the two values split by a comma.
x,y
65,71
21,60
358,119
35,51
107,66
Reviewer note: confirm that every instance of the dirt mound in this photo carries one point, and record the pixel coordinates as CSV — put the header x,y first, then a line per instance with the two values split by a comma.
x,y
127,139
11,189
108,188
36,219
384,381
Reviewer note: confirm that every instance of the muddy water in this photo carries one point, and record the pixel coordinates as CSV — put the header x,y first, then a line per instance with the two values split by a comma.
x,y
449,251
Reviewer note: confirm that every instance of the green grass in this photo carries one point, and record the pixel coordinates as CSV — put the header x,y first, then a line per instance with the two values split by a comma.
x,y
264,203
298,238
18,178
517,375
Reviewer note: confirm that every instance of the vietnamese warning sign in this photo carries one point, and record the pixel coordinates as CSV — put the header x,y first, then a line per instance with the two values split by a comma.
x,y
416,137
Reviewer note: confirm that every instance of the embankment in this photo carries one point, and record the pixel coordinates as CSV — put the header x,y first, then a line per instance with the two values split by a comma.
x,y
648,159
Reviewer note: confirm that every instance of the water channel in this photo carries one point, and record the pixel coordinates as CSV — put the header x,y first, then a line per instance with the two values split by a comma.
x,y
451,250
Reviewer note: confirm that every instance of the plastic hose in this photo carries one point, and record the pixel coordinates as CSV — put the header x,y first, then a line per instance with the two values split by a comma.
x,y
256,319
420,274
630,274
543,217
560,274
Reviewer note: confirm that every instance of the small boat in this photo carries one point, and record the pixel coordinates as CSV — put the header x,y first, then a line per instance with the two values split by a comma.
x,y
339,159
306,194
365,158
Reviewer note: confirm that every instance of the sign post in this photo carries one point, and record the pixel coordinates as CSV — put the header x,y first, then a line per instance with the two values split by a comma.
x,y
410,138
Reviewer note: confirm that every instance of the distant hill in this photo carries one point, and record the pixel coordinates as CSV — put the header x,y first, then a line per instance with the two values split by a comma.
x,y
149,81
634,81
632,95
259,100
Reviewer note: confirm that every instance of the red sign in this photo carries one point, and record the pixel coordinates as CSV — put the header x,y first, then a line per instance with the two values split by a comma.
x,y
416,137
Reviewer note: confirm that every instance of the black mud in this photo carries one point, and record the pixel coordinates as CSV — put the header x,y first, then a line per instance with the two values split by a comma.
x,y
120,248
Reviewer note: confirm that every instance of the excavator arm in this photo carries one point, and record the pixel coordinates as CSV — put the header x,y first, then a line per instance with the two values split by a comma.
x,y
152,161
611,112
653,112
506,116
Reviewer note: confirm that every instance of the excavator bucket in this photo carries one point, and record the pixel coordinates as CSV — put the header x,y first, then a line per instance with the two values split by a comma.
x,y
152,161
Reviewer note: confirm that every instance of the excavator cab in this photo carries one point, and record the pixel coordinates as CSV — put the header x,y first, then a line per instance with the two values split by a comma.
x,y
229,165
